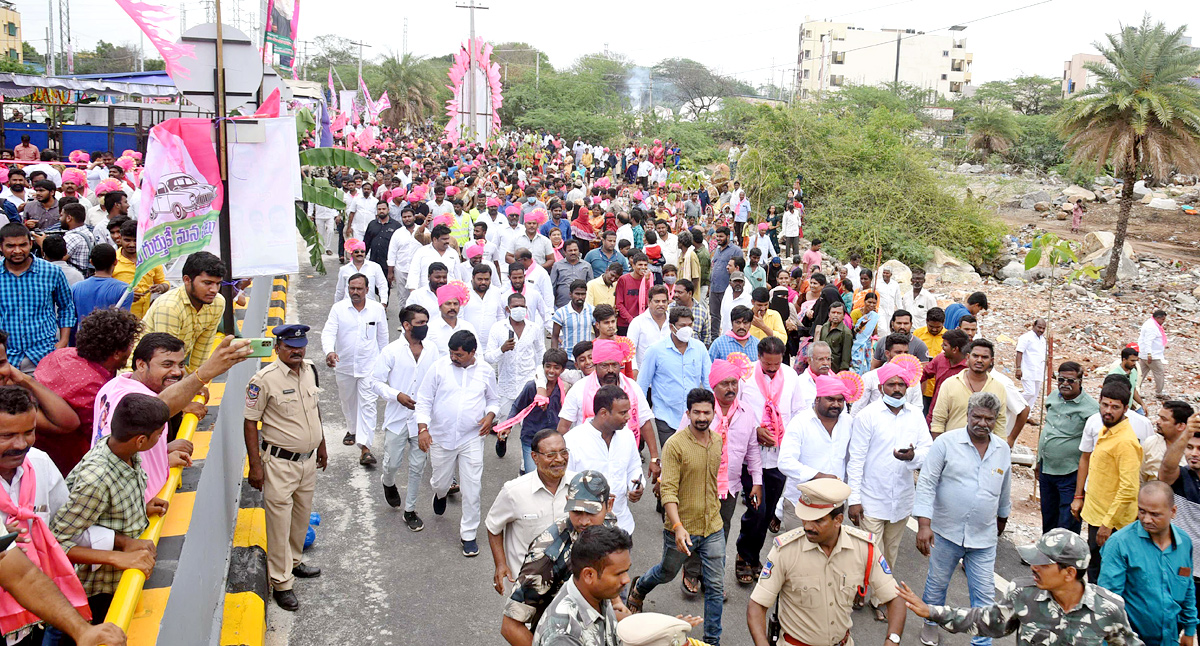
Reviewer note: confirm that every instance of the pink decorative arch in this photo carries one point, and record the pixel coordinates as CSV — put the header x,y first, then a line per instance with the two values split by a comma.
x,y
458,81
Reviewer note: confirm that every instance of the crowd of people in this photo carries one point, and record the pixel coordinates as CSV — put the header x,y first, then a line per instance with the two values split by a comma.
x,y
638,329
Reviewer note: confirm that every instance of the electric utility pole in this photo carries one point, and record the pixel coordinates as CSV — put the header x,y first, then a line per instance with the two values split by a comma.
x,y
472,109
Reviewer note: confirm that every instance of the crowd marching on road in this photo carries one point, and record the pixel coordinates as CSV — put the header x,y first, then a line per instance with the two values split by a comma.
x,y
641,345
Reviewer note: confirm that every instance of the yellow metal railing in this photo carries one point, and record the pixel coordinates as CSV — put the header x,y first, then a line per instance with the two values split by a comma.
x,y
129,591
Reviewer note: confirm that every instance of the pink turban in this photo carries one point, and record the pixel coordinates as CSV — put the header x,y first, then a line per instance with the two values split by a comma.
x,y
762,226
418,194
451,191
606,350
829,386
474,251
889,370
536,215
76,177
125,163
491,201
129,152
108,185
442,219
397,193
3,174
354,244
720,371
79,157
454,291
513,210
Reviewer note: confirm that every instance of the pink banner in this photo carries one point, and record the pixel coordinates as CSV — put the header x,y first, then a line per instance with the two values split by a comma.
x,y
158,23
295,19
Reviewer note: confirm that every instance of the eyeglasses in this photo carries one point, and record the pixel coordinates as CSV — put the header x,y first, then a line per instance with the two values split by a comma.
x,y
564,454
1068,380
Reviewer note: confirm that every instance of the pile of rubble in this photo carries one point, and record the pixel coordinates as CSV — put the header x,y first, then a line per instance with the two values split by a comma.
x,y
1182,192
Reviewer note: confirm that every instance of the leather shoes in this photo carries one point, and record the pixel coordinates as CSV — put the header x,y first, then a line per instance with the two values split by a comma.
x,y
306,571
501,447
286,599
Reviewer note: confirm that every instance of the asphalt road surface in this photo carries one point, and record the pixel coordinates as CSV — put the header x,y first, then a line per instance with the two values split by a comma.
x,y
382,585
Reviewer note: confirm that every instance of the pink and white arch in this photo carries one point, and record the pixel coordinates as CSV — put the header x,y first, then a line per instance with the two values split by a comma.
x,y
488,93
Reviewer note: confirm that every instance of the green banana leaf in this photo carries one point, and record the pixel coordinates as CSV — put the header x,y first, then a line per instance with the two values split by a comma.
x,y
335,157
305,121
312,239
322,195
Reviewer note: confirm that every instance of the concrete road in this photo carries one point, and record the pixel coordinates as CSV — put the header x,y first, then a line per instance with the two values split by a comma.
x,y
383,585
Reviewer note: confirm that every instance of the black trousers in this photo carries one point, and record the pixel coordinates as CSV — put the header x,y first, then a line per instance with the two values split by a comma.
x,y
755,521
1093,570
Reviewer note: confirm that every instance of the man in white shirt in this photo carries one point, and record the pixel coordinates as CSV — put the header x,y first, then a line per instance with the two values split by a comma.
x,y
888,442
443,326
427,296
395,378
527,505
537,278
438,250
377,285
889,293
456,405
1031,361
736,295
354,333
894,345
815,444
506,239
323,218
1152,347
401,248
439,205
918,300
360,210
853,271
514,345
481,310
669,243
650,326
605,444
537,244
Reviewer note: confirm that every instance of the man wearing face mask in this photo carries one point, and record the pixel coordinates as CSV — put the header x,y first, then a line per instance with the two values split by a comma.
x,y
896,345
670,369
815,444
395,379
515,346
450,298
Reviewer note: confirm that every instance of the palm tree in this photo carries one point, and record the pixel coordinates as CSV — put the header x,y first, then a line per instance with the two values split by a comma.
x,y
993,127
1141,116
411,87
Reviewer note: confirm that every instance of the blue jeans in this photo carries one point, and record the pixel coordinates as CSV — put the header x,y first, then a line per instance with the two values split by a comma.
x,y
527,466
711,549
979,564
1057,494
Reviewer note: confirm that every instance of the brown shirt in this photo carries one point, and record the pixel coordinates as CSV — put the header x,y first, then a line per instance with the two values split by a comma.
x,y
286,403
689,479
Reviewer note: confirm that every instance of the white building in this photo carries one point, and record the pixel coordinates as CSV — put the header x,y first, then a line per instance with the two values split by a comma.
x,y
1076,78
833,54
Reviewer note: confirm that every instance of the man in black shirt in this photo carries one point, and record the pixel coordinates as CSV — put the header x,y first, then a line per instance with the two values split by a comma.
x,y
379,235
1183,442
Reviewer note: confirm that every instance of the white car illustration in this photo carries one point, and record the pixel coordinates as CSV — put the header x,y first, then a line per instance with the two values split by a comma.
x,y
179,194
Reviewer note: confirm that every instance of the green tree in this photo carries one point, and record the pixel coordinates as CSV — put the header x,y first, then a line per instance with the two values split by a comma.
x,y
993,128
1143,114
411,88
30,54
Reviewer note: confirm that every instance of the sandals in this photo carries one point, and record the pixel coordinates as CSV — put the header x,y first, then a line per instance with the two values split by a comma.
x,y
690,585
348,440
775,525
744,571
635,599
367,459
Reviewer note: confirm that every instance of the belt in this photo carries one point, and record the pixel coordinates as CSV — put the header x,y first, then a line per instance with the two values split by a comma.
x,y
284,454
796,642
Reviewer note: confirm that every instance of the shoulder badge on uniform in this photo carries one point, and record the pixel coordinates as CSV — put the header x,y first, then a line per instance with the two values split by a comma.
x,y
252,392
788,537
884,564
766,570
859,533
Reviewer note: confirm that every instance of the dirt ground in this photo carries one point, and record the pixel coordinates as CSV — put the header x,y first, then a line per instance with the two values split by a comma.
x,y
1167,234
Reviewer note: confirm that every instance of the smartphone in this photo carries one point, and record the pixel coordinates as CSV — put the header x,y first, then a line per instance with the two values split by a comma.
x,y
7,540
262,347
511,335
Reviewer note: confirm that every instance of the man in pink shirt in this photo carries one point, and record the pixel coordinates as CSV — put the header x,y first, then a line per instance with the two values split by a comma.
x,y
812,256
159,365
25,151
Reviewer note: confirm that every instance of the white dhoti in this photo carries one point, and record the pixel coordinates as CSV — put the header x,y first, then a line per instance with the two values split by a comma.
x,y
1030,388
468,458
358,407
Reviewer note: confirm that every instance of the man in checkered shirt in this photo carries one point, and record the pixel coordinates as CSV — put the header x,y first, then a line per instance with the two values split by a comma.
x,y
36,308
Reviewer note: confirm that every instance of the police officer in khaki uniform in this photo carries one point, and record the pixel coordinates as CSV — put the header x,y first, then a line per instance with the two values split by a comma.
x,y
283,397
816,571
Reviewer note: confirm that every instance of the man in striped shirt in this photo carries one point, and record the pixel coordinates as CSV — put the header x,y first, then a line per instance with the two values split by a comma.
x,y
574,319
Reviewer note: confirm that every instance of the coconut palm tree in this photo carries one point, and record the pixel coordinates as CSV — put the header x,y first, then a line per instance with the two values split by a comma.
x,y
411,87
1142,116
993,127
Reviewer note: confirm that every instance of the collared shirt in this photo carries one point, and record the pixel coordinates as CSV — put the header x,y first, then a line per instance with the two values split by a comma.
x,y
1032,347
522,510
285,401
397,371
668,375
124,272
576,326
49,495
79,247
725,345
570,619
105,491
77,381
644,333
400,252
1155,583
774,323
74,276
518,364
963,494
418,267
1038,620
427,299
174,314
871,394
701,321
795,397
572,408
1058,443
916,345
689,479
619,461
482,312
918,306
537,278
34,305
378,238
730,301
719,278
808,449
1150,340
878,481
451,401
562,274
600,260
356,335
1114,477
539,246
599,293
377,285
950,410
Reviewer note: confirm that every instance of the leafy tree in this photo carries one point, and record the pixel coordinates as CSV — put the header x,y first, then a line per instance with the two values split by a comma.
x,y
1143,114
1024,94
11,66
30,54
411,88
993,128
1040,145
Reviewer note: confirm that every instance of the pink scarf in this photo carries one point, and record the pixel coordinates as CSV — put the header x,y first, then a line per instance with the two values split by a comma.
x,y
720,426
539,400
45,553
1161,331
643,291
771,390
591,384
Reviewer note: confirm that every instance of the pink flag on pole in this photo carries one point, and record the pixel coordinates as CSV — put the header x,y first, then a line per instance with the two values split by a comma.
x,y
270,107
333,95
367,102
158,23
383,103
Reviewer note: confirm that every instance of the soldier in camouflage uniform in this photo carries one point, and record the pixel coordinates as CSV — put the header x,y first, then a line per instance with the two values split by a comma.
x,y
547,563
599,570
1054,606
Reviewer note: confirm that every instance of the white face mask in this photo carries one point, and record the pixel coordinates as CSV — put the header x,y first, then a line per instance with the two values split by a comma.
x,y
894,402
517,314
684,334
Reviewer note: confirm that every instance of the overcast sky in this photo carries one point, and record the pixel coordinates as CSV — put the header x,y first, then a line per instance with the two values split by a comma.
x,y
740,39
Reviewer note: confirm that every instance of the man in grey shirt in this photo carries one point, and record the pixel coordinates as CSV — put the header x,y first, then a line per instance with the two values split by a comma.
x,y
718,280
566,271
902,324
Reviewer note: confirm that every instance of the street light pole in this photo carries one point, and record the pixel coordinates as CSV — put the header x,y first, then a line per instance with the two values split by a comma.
x,y
472,109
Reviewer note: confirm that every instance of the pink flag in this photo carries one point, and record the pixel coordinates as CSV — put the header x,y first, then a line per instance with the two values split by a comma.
x,y
295,19
158,23
367,102
270,107
333,100
383,103
339,123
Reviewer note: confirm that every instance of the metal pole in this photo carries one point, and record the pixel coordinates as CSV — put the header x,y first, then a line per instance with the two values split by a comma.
x,y
50,38
471,77
230,324
896,80
537,70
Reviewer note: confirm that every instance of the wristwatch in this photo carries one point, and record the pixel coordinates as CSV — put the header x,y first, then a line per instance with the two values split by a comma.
x,y
894,638
657,461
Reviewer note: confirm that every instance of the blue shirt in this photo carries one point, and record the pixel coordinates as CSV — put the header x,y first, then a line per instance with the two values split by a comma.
x,y
33,307
743,212
669,375
954,314
564,227
600,262
97,293
1160,597
576,326
962,494
725,345
718,280
539,418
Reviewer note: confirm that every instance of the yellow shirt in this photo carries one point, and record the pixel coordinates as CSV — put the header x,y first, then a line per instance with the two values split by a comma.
x,y
689,268
173,313
124,272
950,411
934,344
598,293
1114,476
774,322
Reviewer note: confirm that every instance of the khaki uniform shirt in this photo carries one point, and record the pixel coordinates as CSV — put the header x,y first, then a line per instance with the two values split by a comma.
x,y
815,591
286,404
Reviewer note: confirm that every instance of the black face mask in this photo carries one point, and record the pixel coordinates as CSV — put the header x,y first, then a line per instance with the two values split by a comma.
x,y
419,332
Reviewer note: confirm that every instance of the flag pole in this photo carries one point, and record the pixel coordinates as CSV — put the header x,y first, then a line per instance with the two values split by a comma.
x,y
229,324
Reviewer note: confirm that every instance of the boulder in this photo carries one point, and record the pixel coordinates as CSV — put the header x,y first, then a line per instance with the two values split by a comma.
x,y
1147,198
951,270
1014,269
1139,189
1041,206
1014,282
1096,240
900,271
1104,180
1079,191
977,168
1029,200
1196,292
1128,268
1062,215
1164,204
964,167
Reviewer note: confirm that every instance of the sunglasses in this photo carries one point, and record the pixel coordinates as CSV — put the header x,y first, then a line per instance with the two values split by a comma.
x,y
1068,380
564,454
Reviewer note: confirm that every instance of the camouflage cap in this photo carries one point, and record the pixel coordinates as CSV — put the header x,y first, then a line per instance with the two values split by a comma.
x,y
588,492
1061,546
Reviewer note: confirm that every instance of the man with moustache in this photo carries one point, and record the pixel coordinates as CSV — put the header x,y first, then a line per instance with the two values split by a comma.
x,y
354,333
815,444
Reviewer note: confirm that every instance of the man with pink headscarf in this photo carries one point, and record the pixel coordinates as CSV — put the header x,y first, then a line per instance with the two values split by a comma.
x,y
888,442
446,321
354,333
815,444
894,345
